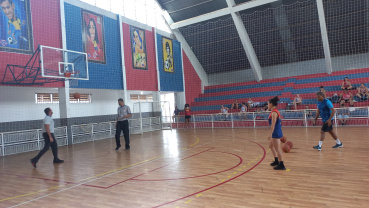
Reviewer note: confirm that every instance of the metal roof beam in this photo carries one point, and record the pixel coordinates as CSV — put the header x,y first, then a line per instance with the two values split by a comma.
x,y
219,13
187,49
324,33
246,42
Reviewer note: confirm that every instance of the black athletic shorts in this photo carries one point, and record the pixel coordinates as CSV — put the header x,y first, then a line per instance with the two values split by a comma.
x,y
327,128
187,117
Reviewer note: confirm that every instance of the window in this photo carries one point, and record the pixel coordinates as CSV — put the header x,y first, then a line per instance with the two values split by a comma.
x,y
45,98
85,98
141,97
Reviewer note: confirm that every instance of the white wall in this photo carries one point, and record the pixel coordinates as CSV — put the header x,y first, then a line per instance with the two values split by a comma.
x,y
18,103
341,63
146,106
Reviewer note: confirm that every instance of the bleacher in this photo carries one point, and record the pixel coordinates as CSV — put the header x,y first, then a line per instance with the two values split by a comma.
x,y
285,88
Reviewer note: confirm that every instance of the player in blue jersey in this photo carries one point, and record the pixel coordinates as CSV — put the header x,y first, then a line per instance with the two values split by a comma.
x,y
326,111
275,134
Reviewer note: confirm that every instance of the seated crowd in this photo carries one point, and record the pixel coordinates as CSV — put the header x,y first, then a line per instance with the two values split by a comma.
x,y
350,94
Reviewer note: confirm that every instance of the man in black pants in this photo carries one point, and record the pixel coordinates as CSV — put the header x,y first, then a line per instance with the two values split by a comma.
x,y
124,112
50,141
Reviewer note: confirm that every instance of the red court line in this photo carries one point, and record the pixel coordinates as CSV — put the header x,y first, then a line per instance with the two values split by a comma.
x,y
219,183
239,163
157,168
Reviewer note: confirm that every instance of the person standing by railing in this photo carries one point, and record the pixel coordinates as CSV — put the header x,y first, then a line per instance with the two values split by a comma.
x,y
50,141
124,112
187,110
175,114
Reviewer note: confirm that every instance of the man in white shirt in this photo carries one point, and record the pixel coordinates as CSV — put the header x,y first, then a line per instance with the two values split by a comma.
x,y
50,141
124,112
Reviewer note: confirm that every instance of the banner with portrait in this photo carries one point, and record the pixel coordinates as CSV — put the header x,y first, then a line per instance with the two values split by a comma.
x,y
93,36
138,48
16,26
168,61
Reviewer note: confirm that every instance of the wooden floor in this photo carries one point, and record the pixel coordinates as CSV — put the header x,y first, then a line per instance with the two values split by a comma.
x,y
194,168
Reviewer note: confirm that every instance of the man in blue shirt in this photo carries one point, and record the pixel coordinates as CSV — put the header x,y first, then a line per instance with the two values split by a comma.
x,y
326,111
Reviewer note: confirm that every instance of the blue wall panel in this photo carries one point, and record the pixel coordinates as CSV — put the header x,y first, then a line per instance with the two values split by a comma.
x,y
102,76
170,81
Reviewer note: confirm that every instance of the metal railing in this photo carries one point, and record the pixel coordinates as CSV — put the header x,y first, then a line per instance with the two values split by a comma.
x,y
97,131
358,116
29,140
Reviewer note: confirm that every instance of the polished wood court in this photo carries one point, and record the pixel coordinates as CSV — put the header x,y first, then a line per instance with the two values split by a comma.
x,y
195,168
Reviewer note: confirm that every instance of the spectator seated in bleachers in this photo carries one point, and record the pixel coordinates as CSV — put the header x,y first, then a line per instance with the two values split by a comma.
x,y
323,91
346,97
297,101
343,115
266,108
235,104
346,84
224,111
250,103
243,114
309,114
362,92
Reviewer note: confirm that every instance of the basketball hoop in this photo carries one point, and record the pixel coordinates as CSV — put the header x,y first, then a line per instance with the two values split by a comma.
x,y
72,77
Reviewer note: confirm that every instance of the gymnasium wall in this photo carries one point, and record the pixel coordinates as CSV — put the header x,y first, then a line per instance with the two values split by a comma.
x,y
139,79
101,76
192,81
170,81
21,112
341,63
46,31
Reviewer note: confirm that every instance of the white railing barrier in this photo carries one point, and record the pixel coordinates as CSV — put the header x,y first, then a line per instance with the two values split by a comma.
x,y
28,140
297,118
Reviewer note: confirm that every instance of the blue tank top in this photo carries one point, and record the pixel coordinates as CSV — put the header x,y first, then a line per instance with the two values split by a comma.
x,y
277,133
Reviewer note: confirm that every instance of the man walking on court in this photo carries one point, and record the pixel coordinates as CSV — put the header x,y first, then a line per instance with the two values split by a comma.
x,y
326,110
124,112
50,141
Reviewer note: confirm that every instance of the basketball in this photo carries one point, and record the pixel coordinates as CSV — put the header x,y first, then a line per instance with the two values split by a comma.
x,y
77,95
284,139
289,143
286,148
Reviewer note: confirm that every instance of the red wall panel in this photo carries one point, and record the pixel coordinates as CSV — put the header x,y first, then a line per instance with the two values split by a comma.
x,y
46,31
192,80
145,80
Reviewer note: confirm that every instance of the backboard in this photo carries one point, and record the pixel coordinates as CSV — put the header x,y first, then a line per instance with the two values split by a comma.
x,y
64,64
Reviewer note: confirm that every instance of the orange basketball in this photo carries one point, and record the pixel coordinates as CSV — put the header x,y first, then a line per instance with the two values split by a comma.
x,y
284,139
77,95
289,143
286,148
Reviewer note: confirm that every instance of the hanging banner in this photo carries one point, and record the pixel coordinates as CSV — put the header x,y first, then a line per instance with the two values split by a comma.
x,y
138,49
15,26
168,61
93,36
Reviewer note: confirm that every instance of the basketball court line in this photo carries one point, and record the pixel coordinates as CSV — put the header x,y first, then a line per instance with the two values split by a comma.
x,y
219,184
183,149
198,195
239,163
102,174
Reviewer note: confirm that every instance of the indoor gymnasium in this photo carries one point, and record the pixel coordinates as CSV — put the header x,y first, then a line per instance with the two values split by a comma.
x,y
184,103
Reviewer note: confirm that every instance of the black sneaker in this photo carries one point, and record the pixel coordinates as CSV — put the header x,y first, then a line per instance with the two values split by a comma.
x,y
274,163
127,149
58,161
33,163
117,148
279,167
